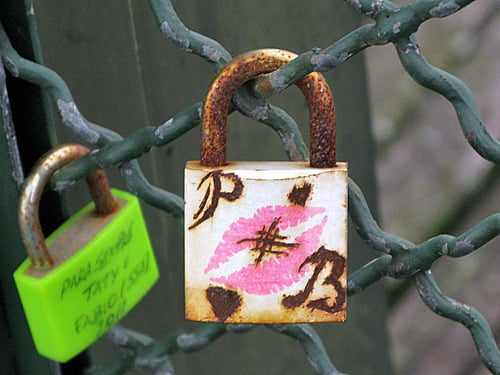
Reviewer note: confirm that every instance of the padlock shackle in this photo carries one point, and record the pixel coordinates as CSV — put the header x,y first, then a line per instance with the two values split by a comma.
x,y
31,192
247,66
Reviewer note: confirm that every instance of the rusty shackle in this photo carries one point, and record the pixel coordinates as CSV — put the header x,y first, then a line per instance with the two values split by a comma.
x,y
32,189
247,66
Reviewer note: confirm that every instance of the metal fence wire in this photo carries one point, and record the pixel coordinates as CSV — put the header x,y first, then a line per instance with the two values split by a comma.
x,y
400,258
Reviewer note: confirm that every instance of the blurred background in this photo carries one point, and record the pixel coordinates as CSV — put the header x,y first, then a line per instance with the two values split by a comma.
x,y
403,143
431,181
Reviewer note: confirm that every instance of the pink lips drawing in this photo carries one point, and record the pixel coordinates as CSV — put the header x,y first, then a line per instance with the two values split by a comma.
x,y
274,272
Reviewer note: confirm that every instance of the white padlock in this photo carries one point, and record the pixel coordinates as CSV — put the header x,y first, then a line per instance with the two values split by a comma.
x,y
265,242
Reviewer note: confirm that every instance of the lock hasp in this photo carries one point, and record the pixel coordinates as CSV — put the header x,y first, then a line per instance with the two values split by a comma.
x,y
71,305
266,242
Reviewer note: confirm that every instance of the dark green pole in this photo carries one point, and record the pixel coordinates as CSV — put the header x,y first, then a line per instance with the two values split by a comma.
x,y
22,357
17,347
26,133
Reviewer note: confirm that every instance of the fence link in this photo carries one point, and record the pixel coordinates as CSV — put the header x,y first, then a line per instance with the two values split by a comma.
x,y
400,259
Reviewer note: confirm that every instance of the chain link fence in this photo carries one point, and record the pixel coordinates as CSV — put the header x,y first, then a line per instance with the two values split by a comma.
x,y
399,259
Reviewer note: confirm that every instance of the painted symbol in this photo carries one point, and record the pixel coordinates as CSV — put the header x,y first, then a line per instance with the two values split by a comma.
x,y
224,302
227,265
214,188
321,259
269,239
300,194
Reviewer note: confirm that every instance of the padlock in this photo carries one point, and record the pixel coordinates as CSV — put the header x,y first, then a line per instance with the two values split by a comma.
x,y
91,271
265,242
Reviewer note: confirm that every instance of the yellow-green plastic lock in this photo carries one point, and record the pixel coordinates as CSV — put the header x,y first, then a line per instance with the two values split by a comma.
x,y
102,266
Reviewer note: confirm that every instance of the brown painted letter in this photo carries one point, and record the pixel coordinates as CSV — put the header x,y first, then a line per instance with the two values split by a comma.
x,y
216,189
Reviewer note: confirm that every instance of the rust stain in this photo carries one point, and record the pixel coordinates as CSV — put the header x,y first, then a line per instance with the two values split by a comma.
x,y
224,302
300,194
100,191
198,308
247,66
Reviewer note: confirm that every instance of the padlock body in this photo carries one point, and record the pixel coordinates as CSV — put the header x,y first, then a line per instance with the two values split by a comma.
x,y
265,242
86,293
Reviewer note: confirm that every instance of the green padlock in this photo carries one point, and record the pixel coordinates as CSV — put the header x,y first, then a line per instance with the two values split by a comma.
x,y
91,271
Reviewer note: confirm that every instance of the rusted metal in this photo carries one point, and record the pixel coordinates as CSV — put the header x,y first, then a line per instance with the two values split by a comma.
x,y
32,189
247,66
